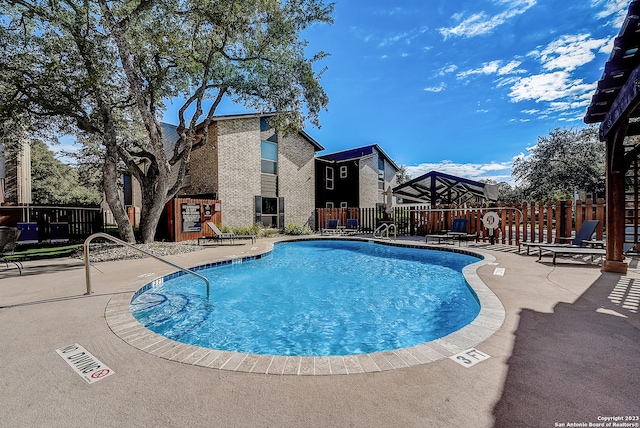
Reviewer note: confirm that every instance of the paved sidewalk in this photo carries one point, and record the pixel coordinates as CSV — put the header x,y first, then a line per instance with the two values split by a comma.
x,y
567,352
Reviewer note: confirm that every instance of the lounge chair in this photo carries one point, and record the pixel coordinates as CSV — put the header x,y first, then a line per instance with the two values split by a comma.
x,y
8,239
220,236
352,227
332,228
577,251
458,232
584,234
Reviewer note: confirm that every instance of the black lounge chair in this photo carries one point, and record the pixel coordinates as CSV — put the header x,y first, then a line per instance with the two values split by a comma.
x,y
458,232
8,240
584,234
220,236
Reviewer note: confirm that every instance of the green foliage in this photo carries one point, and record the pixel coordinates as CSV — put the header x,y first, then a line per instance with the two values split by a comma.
x,y
104,69
294,229
54,183
402,176
563,162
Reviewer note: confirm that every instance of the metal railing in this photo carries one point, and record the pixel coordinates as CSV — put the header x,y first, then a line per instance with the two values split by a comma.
x,y
385,228
121,242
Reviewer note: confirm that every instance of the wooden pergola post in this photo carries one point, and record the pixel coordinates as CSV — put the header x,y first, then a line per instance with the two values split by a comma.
x,y
615,182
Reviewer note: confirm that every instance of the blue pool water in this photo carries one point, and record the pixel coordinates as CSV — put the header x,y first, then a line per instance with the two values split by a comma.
x,y
316,298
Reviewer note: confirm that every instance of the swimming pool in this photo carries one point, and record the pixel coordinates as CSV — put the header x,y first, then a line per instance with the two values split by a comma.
x,y
316,298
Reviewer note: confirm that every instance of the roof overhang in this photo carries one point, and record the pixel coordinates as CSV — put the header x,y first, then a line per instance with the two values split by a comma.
x,y
440,188
617,97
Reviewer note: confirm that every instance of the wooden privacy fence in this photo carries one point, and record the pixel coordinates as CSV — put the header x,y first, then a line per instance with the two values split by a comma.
x,y
521,221
51,220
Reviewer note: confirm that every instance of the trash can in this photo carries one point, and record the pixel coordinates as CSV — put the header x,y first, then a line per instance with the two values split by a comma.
x,y
29,234
59,232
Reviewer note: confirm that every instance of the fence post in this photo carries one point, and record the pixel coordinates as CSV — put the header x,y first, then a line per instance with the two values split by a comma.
x,y
563,219
601,216
579,214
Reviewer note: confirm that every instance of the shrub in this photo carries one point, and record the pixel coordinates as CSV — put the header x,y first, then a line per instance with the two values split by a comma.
x,y
294,229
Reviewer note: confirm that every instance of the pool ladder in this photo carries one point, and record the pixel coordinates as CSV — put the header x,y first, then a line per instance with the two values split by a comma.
x,y
382,232
87,271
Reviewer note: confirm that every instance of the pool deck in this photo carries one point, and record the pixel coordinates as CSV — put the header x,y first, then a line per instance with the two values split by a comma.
x,y
567,352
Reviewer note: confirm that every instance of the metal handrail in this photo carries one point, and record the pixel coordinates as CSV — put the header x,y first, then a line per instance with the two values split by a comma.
x,y
121,242
386,228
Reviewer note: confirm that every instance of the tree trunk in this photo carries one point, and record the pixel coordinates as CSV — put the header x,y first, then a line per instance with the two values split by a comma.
x,y
153,202
112,195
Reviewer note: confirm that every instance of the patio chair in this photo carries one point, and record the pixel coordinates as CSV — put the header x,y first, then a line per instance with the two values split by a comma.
x,y
332,228
352,226
458,232
577,251
220,236
459,226
8,240
584,234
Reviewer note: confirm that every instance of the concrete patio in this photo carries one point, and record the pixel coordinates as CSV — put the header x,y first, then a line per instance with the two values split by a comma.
x,y
566,353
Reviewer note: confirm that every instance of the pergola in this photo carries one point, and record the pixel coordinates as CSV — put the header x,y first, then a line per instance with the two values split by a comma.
x,y
615,104
440,188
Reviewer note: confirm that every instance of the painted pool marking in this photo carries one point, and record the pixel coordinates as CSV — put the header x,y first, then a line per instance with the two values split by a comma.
x,y
470,357
84,363
498,272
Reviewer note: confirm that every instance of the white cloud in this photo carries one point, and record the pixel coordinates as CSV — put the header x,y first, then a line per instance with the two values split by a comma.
x,y
438,88
406,37
493,67
569,52
481,23
510,68
448,69
498,171
612,8
549,87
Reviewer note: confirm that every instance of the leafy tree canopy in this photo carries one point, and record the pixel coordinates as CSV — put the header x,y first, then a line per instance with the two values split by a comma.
x,y
561,163
55,183
103,69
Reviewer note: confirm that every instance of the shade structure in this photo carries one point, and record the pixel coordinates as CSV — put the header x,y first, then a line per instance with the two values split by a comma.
x,y
440,188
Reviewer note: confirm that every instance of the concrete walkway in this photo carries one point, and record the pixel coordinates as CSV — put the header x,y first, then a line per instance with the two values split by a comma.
x,y
567,353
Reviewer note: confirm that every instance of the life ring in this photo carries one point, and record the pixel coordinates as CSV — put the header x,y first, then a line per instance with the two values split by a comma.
x,y
491,220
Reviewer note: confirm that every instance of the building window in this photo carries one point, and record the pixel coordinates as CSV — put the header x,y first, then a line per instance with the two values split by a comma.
x,y
270,212
328,205
343,171
329,178
343,205
269,157
380,169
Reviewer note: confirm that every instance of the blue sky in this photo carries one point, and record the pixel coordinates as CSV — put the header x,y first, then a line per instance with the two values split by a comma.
x,y
460,86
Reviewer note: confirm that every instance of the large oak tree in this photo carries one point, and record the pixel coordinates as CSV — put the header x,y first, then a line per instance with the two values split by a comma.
x,y
102,70
565,161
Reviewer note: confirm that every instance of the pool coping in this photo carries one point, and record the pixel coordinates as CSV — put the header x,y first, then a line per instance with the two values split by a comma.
x,y
489,320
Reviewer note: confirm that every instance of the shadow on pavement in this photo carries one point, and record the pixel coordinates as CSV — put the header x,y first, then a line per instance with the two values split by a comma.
x,y
578,363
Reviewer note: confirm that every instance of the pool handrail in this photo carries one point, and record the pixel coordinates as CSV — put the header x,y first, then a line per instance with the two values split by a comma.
x,y
385,228
121,242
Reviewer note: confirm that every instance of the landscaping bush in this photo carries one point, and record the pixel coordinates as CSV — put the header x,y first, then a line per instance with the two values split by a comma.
x,y
294,229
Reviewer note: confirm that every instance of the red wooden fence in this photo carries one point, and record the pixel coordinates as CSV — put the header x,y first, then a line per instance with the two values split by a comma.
x,y
521,221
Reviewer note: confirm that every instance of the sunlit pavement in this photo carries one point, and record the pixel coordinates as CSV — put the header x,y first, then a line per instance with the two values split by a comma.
x,y
567,352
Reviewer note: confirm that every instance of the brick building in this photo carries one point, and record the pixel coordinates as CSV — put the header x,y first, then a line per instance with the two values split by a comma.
x,y
258,174
354,178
